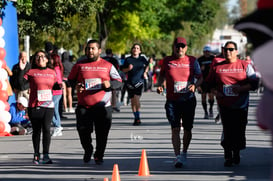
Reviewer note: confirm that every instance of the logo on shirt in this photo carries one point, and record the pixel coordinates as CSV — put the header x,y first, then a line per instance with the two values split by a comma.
x,y
87,68
231,70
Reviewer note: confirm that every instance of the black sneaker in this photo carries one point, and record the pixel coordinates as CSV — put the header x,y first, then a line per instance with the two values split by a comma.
x,y
137,122
87,157
47,160
115,109
228,163
36,159
98,161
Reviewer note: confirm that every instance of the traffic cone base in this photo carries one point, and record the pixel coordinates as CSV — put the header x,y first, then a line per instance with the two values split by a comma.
x,y
143,166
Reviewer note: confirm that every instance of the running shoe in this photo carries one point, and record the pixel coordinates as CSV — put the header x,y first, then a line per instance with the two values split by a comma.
x,y
178,162
57,131
98,161
47,160
87,157
36,159
184,158
206,116
228,163
137,122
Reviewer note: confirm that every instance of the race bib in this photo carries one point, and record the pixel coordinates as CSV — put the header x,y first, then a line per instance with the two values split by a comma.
x,y
227,90
181,87
93,84
45,95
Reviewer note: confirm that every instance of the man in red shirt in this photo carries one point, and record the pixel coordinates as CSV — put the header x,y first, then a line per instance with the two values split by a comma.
x,y
94,78
180,71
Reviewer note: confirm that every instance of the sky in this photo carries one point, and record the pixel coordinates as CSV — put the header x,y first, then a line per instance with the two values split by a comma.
x,y
231,3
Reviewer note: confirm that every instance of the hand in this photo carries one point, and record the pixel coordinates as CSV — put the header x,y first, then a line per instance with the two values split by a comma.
x,y
79,87
22,65
130,67
159,90
106,84
191,87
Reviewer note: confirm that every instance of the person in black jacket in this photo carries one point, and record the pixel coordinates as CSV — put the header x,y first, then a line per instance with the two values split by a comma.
x,y
19,88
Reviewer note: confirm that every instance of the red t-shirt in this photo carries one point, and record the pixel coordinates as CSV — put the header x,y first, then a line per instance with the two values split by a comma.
x,y
225,76
179,74
41,82
92,75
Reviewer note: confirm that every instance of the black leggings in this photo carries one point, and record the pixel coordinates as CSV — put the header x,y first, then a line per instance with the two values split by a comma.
x,y
234,123
41,119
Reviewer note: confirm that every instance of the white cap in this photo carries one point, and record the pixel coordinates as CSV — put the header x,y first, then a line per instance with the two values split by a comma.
x,y
23,101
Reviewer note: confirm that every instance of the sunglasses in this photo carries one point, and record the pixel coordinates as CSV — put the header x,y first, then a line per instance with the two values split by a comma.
x,y
180,45
229,49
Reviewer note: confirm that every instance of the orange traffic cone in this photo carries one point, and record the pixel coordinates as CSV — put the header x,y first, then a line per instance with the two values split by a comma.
x,y
115,174
105,179
143,166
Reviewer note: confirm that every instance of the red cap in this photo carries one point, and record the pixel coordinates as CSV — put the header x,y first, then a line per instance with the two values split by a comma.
x,y
265,4
180,40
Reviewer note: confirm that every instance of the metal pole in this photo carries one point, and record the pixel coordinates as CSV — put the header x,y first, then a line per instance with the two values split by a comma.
x,y
26,46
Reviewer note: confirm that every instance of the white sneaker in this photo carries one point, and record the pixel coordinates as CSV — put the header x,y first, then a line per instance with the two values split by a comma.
x,y
58,131
71,110
66,110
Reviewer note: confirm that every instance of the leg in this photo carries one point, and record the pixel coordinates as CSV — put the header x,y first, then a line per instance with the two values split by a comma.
x,y
46,123
35,116
186,140
204,104
211,103
176,141
65,97
102,127
69,98
85,128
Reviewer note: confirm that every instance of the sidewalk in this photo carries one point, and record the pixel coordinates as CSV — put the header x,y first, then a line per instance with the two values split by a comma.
x,y
205,155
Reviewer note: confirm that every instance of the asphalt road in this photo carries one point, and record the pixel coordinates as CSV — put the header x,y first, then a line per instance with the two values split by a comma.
x,y
125,145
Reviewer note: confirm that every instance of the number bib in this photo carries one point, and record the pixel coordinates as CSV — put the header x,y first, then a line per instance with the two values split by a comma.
x,y
181,87
92,84
227,90
44,95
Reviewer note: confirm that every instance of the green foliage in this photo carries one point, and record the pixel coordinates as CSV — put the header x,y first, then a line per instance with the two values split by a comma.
x,y
120,23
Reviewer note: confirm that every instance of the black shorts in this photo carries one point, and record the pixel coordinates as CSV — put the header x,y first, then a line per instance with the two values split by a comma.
x,y
134,91
67,83
177,110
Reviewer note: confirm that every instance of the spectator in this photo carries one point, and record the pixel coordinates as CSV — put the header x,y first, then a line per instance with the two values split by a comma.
x,y
57,94
67,91
19,123
19,88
